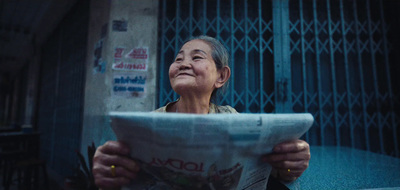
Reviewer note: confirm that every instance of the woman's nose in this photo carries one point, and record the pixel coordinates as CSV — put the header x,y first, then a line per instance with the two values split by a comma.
x,y
185,64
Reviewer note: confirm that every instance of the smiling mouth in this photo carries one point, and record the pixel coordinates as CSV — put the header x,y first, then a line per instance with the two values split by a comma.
x,y
184,74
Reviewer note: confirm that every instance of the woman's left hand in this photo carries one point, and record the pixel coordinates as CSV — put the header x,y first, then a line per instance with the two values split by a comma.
x,y
289,159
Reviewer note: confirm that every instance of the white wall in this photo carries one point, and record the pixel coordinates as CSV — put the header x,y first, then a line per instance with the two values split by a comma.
x,y
142,20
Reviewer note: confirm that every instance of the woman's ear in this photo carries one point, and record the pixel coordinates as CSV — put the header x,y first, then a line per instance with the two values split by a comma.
x,y
224,74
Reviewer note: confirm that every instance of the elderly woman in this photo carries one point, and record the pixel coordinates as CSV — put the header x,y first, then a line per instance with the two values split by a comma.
x,y
200,69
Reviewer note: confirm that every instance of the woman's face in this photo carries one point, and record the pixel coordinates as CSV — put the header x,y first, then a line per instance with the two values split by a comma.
x,y
193,72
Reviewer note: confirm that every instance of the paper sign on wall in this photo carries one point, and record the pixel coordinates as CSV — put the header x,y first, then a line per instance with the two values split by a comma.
x,y
131,84
135,59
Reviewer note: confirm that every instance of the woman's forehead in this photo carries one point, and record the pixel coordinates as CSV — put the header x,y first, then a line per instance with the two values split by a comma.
x,y
196,45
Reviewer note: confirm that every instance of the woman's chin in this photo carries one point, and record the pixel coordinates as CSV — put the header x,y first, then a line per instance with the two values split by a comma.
x,y
183,88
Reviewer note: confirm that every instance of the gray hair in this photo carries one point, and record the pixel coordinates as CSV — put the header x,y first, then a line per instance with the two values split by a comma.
x,y
220,56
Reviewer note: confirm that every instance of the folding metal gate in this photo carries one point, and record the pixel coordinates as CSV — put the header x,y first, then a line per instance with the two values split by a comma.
x,y
329,58
62,91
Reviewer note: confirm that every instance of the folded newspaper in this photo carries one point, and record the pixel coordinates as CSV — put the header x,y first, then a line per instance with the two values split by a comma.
x,y
211,151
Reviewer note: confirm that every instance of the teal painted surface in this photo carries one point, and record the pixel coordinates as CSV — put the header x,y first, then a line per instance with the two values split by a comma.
x,y
330,58
342,50
348,168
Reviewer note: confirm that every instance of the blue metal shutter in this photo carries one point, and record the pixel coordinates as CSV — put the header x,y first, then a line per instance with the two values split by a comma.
x,y
246,33
331,58
339,50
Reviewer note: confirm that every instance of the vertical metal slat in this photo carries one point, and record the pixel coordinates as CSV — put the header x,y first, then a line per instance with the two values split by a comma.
x,y
281,56
359,58
376,87
391,97
286,63
246,62
303,62
277,32
318,72
204,29
162,59
260,19
177,33
217,20
232,52
332,56
218,31
346,63
191,18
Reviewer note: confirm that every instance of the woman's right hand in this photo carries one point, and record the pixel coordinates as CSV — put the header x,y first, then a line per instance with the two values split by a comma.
x,y
113,153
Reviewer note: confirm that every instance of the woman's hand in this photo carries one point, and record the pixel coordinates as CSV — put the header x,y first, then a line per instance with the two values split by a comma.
x,y
289,159
113,153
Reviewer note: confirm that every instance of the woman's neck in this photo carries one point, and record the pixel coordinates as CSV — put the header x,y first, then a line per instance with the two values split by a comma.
x,y
192,105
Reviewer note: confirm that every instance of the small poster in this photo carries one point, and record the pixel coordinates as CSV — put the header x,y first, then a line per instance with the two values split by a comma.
x,y
122,66
132,84
137,53
135,59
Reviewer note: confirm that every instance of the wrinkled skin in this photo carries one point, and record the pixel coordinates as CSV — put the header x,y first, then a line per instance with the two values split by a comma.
x,y
113,153
294,155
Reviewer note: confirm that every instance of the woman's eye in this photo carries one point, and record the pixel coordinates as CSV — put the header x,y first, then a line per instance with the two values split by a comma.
x,y
178,59
197,57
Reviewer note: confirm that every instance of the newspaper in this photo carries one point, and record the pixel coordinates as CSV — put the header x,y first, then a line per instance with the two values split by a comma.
x,y
210,151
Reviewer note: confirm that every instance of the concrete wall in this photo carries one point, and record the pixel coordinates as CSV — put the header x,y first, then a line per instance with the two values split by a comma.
x,y
141,17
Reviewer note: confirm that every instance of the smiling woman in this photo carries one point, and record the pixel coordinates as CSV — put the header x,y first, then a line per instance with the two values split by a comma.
x,y
199,71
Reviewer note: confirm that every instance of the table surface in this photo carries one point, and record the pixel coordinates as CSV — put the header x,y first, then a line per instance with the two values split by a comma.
x,y
348,168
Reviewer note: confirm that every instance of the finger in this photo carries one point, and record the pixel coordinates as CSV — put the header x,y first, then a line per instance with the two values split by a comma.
x,y
114,147
122,161
293,165
115,182
289,174
275,157
292,146
105,171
